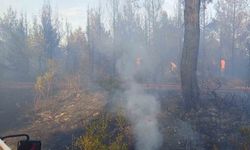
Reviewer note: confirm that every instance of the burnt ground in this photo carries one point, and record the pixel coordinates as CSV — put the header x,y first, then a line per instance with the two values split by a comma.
x,y
218,124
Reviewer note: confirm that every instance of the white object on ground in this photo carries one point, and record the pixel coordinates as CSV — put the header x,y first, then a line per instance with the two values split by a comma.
x,y
3,145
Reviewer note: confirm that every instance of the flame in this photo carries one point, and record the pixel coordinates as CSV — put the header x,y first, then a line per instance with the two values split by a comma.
x,y
222,65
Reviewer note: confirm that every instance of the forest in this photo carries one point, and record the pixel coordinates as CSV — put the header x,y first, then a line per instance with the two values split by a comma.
x,y
133,77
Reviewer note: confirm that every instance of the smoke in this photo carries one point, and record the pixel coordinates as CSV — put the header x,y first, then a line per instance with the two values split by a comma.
x,y
142,108
142,112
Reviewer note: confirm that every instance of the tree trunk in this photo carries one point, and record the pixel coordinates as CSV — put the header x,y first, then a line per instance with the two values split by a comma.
x,y
233,40
190,89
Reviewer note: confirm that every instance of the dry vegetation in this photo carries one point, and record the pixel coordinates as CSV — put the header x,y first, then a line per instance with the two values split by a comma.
x,y
107,132
81,73
56,118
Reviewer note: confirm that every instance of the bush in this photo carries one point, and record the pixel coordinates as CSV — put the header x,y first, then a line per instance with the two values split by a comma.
x,y
104,133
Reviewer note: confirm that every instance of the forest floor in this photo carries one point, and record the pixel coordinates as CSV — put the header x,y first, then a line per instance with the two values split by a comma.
x,y
14,103
55,121
58,120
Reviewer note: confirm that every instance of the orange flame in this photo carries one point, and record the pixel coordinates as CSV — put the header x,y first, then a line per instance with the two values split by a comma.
x,y
222,65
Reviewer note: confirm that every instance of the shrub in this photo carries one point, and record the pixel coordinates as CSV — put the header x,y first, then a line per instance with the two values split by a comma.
x,y
104,133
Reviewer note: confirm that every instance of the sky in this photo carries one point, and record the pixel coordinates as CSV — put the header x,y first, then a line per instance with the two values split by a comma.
x,y
74,11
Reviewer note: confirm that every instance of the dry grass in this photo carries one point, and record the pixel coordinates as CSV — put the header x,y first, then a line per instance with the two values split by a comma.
x,y
63,113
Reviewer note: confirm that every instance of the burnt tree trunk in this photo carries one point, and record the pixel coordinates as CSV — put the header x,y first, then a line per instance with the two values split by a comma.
x,y
190,89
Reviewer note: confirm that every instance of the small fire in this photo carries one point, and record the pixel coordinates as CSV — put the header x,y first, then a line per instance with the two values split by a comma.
x,y
222,65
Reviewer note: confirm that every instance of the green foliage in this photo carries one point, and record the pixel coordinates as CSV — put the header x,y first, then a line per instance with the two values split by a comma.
x,y
50,28
104,133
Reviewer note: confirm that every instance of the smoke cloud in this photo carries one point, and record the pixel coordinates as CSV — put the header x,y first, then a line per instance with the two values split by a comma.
x,y
142,108
142,112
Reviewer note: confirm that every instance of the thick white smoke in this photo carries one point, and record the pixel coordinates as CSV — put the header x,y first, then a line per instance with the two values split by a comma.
x,y
142,108
142,112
